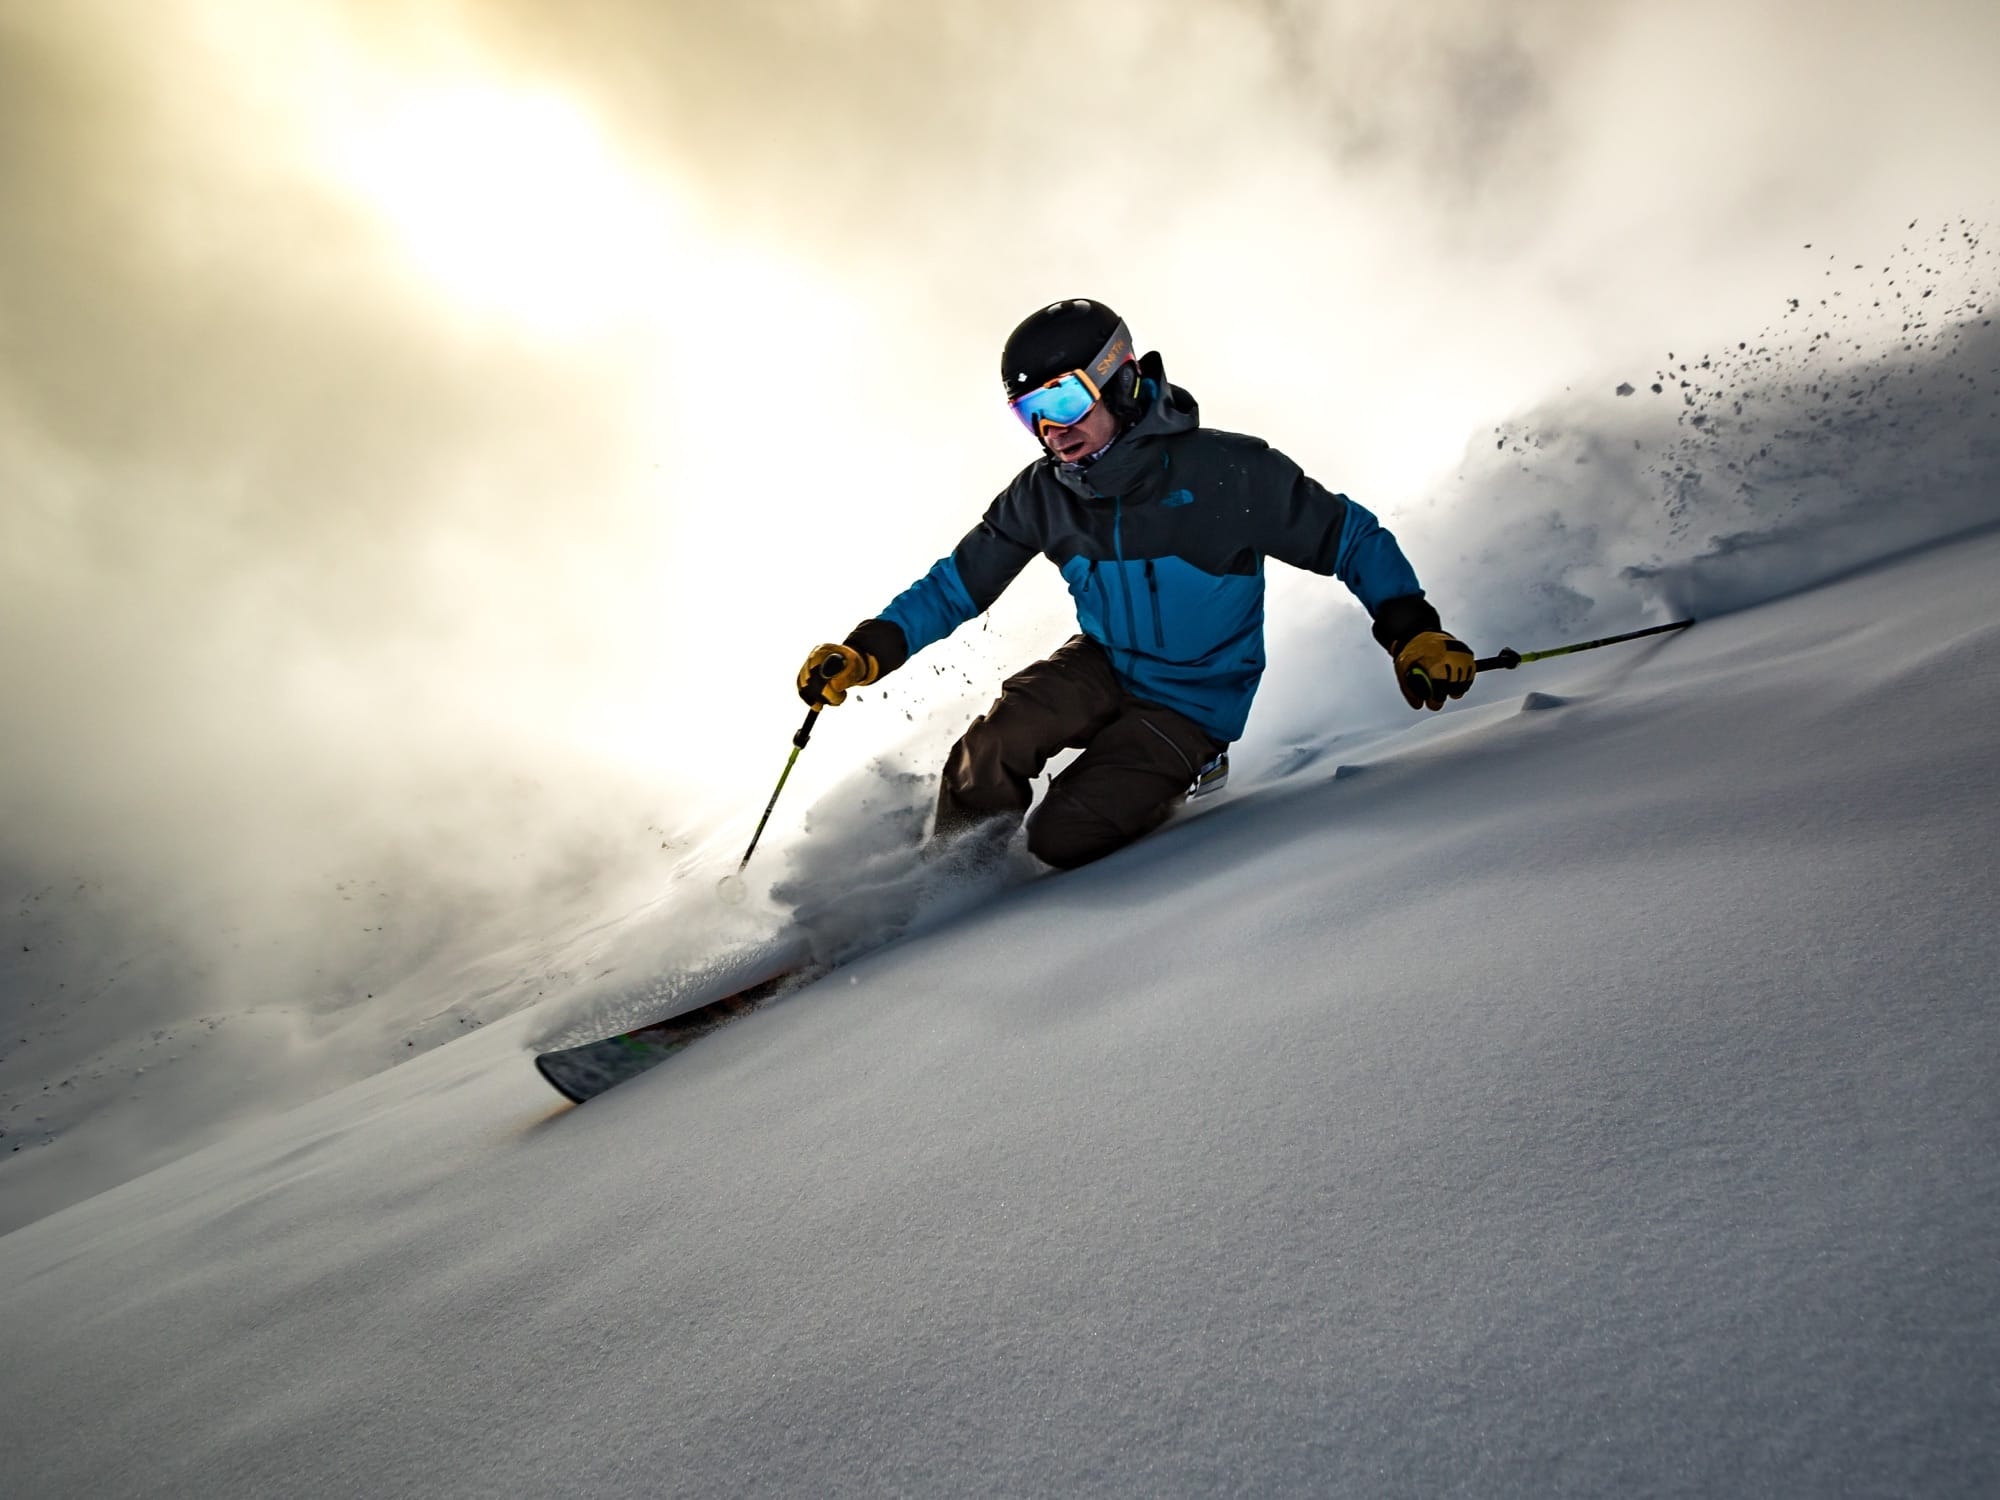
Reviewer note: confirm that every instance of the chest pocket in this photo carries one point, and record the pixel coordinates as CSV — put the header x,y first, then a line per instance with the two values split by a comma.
x,y
1189,615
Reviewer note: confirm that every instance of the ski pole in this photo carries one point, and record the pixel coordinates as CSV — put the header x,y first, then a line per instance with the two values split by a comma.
x,y
1509,658
826,672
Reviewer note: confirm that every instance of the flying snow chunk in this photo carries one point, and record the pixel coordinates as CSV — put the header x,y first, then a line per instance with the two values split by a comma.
x,y
1624,388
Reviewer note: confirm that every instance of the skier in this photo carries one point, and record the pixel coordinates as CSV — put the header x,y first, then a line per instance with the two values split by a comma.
x,y
1160,527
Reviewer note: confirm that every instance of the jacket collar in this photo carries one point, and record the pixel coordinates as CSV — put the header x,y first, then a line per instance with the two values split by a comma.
x,y
1134,467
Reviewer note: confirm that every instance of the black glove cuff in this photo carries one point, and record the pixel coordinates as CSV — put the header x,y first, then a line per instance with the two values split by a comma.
x,y
883,640
1401,620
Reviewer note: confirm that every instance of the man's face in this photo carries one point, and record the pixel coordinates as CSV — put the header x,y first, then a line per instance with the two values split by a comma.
x,y
1082,437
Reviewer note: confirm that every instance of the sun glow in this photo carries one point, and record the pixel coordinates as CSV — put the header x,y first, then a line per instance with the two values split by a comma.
x,y
705,352
515,204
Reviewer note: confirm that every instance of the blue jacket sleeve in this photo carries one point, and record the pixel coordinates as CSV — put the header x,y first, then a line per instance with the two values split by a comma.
x,y
1305,524
1370,563
931,608
1309,526
963,585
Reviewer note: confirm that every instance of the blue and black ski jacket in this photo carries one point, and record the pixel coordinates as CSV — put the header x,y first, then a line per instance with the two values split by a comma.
x,y
1162,542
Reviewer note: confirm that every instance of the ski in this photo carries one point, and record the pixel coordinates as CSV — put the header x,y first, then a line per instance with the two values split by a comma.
x,y
583,1072
877,911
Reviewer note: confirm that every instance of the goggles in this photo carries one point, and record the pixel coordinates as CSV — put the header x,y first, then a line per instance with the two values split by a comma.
x,y
1066,399
1069,397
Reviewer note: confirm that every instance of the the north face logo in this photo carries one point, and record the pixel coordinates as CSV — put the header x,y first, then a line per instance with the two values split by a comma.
x,y
1178,497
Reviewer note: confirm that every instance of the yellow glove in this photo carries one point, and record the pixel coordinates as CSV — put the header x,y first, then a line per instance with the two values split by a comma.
x,y
1432,667
831,670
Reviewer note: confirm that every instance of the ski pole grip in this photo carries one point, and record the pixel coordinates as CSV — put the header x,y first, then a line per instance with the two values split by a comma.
x,y
1507,660
825,672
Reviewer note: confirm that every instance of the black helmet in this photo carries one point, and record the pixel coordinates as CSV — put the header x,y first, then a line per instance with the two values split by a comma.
x,y
1077,334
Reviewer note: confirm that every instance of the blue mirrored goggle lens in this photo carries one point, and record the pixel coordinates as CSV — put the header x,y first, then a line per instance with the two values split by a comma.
x,y
1064,400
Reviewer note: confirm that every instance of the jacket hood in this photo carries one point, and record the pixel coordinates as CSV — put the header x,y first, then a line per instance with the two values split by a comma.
x,y
1134,465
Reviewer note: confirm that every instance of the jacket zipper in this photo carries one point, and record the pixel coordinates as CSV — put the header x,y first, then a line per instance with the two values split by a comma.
x,y
1118,547
1093,584
1153,588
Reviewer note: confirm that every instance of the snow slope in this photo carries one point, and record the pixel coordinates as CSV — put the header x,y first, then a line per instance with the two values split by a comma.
x,y
1587,1091
203,963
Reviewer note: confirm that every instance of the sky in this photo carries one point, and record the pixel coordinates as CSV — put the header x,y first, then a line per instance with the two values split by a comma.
x,y
430,434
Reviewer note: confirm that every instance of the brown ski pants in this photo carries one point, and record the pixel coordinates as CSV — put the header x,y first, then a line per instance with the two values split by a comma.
x,y
1137,764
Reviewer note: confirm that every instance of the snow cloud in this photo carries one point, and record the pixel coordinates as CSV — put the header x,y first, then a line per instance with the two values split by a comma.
x,y
429,434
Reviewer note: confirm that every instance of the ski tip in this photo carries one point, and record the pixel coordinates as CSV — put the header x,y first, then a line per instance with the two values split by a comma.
x,y
583,1072
557,1079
